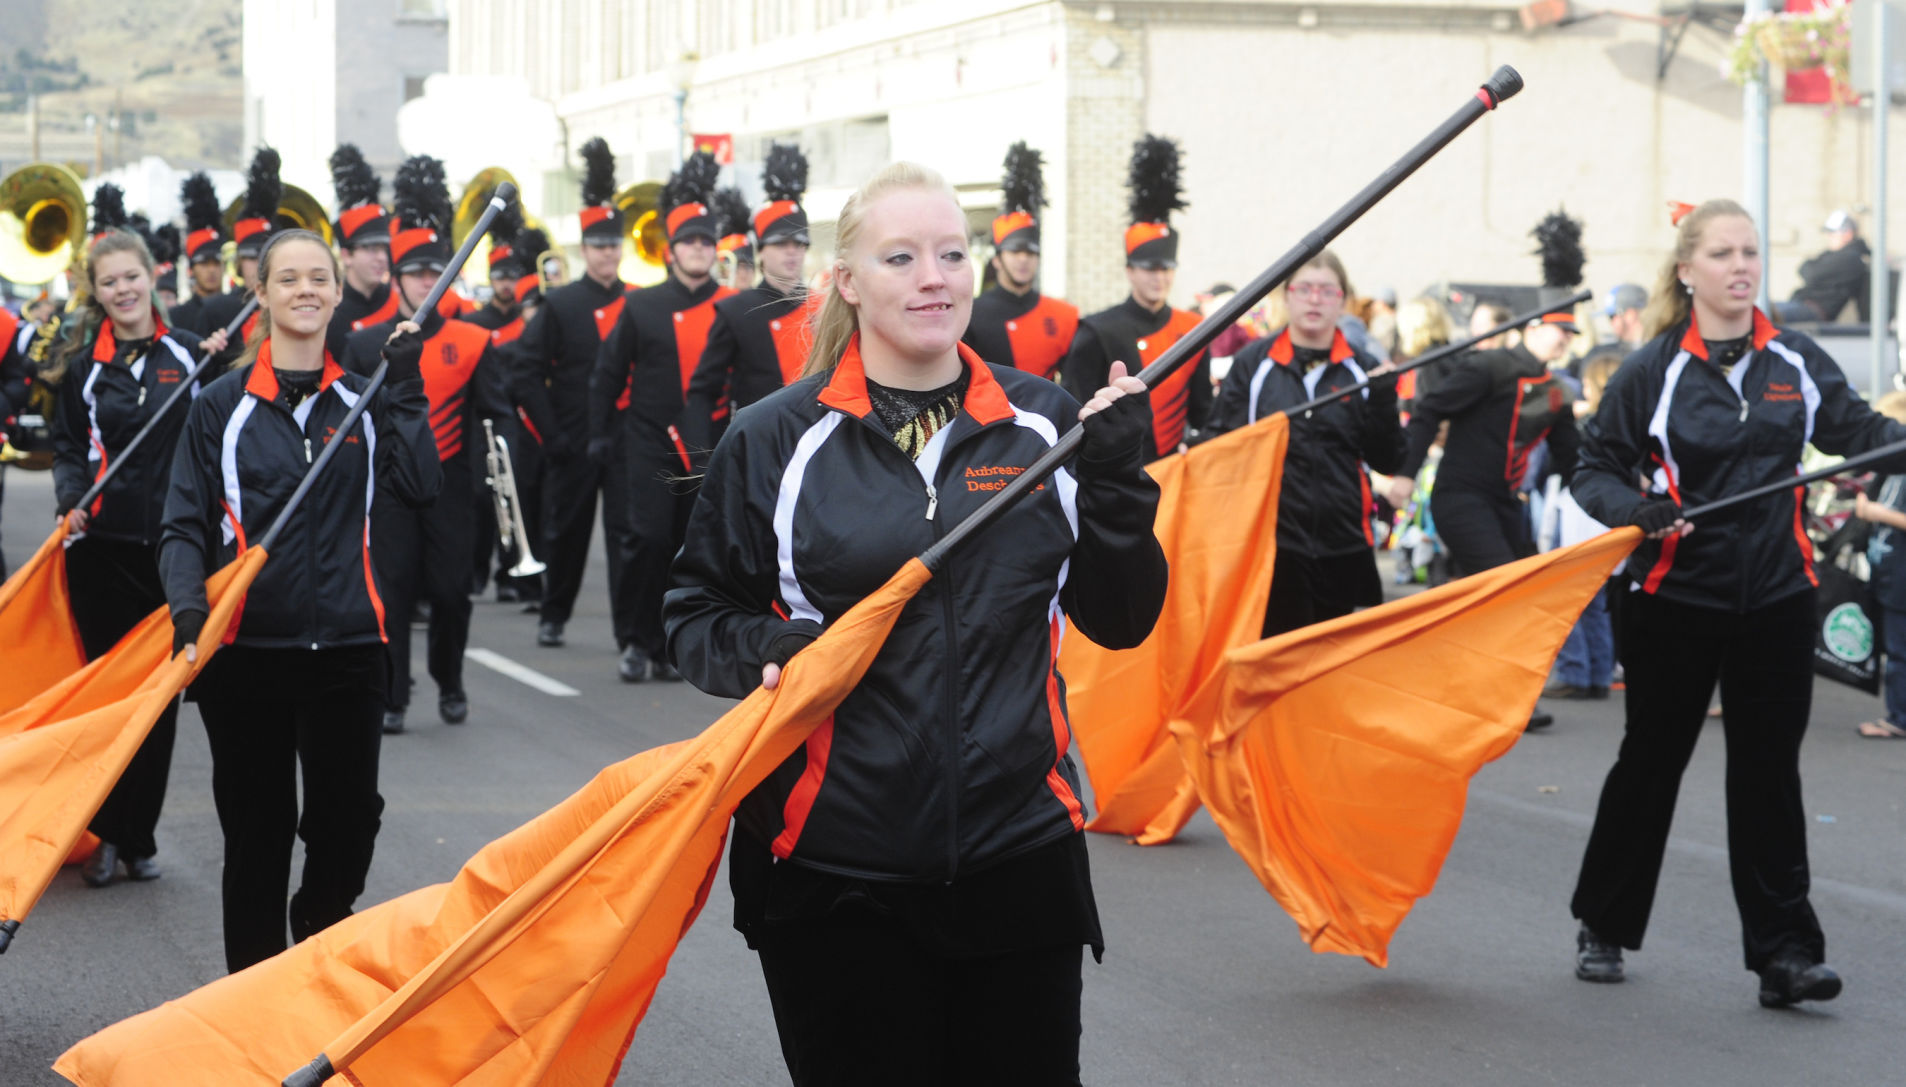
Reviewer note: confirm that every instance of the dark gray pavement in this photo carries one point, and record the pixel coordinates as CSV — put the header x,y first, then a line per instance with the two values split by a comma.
x,y
1205,981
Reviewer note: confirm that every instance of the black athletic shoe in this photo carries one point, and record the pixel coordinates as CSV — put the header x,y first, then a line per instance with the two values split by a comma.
x,y
453,707
1568,692
102,866
1596,959
141,869
633,667
1793,977
393,721
1538,719
663,671
549,633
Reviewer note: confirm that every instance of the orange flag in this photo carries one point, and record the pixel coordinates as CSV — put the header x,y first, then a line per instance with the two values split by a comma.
x,y
36,625
1337,758
1217,521
62,752
537,962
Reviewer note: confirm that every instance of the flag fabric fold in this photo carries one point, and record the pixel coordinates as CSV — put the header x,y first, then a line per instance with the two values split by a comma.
x,y
1336,759
1217,523
536,963
63,751
36,625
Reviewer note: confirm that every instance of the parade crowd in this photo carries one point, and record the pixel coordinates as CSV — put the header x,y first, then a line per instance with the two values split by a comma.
x,y
769,432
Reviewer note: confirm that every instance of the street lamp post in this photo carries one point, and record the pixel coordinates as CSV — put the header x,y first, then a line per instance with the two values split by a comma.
x,y
681,73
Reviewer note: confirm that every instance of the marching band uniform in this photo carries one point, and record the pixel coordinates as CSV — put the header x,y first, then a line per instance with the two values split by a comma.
x,y
1138,336
639,387
361,221
426,552
1026,329
550,364
513,251
760,338
203,239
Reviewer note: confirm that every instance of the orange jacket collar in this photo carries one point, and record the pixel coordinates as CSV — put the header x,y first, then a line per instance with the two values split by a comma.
x,y
846,390
1283,351
1693,344
263,383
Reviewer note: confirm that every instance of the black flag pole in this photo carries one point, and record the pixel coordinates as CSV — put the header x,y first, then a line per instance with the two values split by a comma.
x,y
99,485
1444,351
1501,86
1871,456
500,199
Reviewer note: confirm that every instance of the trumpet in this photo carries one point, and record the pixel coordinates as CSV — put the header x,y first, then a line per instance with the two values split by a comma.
x,y
509,506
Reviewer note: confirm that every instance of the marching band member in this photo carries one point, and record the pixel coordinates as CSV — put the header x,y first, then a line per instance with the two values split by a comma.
x,y
1014,324
362,231
934,889
301,683
734,251
264,191
426,552
638,387
1325,563
759,341
1717,402
113,374
204,237
1144,326
550,365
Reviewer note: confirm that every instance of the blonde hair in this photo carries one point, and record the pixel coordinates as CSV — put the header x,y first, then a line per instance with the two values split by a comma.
x,y
1671,304
1596,373
1422,325
838,320
92,314
1892,405
261,331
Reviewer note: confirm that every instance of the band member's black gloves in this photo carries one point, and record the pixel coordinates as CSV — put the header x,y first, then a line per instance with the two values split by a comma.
x,y
186,626
404,352
1655,514
1118,432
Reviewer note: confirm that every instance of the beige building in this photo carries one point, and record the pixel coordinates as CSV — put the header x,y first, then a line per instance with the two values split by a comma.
x,y
1283,110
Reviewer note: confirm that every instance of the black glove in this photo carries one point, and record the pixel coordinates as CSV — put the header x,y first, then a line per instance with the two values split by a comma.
x,y
186,626
792,640
600,451
404,354
1655,514
1118,432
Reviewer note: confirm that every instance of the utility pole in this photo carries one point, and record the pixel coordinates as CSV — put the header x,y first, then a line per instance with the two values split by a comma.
x,y
1754,153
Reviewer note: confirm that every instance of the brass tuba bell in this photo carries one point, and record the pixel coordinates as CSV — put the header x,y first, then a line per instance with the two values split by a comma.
x,y
42,222
644,231
476,196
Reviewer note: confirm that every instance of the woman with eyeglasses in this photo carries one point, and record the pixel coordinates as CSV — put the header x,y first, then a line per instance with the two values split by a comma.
x,y
1325,564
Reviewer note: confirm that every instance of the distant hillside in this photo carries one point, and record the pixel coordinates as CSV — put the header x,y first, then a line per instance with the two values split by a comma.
x,y
169,69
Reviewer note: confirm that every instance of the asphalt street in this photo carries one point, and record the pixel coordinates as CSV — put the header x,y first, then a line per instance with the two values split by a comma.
x,y
1205,980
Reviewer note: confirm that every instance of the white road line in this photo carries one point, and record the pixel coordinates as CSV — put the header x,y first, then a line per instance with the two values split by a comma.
x,y
523,674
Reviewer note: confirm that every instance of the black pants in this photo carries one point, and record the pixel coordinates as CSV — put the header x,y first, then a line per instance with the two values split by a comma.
x,y
425,553
857,1002
113,585
267,713
1306,589
569,516
1480,531
660,498
1673,653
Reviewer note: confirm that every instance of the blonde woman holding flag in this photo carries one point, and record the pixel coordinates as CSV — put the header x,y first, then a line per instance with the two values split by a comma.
x,y
915,880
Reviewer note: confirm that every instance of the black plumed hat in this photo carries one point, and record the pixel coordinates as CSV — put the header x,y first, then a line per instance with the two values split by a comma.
x,y
420,215
784,178
1155,193
1023,192
601,220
